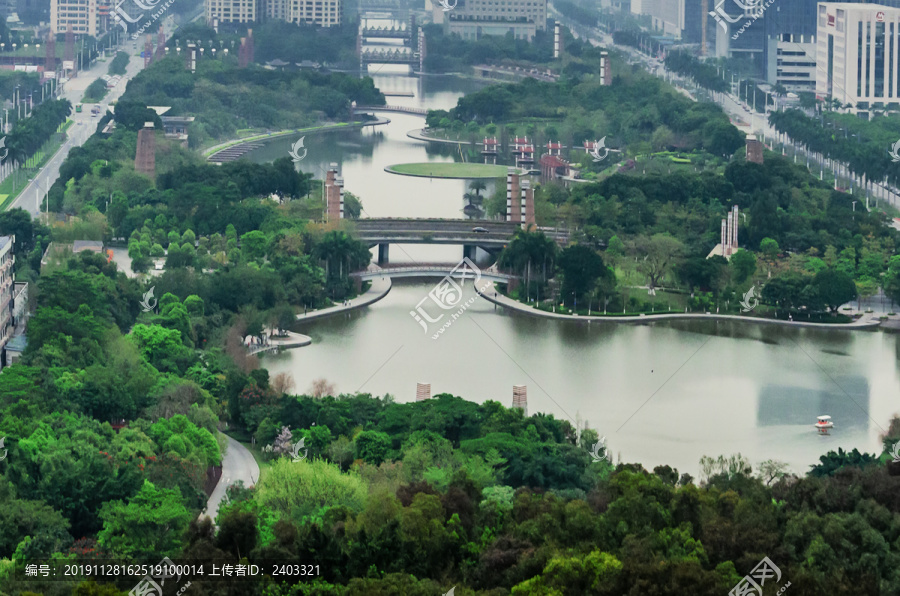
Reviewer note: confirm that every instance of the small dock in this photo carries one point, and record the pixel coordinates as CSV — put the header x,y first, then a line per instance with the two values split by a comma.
x,y
235,152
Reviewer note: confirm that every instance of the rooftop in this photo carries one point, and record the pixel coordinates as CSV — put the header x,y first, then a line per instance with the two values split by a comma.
x,y
80,245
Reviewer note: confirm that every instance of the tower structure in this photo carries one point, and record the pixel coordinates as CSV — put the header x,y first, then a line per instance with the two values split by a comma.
x,y
520,398
50,61
423,391
70,48
513,196
145,158
528,219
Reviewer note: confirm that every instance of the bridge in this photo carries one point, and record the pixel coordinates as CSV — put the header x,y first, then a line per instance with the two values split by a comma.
x,y
384,56
491,236
403,33
449,270
395,109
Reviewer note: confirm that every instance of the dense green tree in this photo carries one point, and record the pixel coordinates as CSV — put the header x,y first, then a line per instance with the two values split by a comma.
x,y
151,524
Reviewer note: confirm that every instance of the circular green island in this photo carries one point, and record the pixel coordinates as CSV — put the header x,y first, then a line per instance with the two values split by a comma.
x,y
448,170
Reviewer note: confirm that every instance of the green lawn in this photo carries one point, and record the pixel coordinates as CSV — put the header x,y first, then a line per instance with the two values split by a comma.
x,y
448,170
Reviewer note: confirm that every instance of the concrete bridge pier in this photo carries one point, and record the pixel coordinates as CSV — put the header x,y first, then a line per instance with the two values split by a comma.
x,y
469,251
383,254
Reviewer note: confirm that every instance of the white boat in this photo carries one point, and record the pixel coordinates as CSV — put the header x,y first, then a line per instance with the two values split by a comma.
x,y
823,423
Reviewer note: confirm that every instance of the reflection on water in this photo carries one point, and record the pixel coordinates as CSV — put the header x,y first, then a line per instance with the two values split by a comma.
x,y
664,392
661,392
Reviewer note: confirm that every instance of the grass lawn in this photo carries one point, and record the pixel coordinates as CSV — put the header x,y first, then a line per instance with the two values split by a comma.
x,y
448,170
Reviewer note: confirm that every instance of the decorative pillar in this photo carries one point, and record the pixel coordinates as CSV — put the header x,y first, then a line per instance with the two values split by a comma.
x,y
145,157
729,234
527,205
513,196
520,398
734,231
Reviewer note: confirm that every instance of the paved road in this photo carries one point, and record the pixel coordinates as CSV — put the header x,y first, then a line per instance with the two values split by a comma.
x,y
733,106
238,464
489,292
82,128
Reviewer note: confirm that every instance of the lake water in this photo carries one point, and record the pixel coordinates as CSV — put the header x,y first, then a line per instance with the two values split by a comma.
x,y
661,393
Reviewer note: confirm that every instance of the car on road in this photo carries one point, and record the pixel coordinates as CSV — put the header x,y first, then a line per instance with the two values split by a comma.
x,y
480,230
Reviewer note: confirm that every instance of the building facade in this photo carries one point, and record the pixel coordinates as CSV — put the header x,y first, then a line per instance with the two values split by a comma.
x,y
231,11
90,17
7,284
324,13
857,54
473,19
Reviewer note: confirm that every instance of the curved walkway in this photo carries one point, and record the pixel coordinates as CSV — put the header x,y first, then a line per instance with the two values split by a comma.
x,y
293,340
209,153
237,464
378,290
489,292
419,135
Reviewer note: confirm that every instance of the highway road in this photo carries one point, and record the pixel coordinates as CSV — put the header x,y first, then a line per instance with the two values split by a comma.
x,y
736,110
83,125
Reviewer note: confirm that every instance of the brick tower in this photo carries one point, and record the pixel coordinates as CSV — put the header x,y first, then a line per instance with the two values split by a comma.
x,y
145,158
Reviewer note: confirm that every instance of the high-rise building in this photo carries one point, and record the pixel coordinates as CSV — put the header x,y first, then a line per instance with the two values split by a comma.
x,y
231,11
7,283
857,54
324,13
473,19
90,17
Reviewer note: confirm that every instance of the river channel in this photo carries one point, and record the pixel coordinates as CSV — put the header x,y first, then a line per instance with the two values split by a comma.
x,y
661,393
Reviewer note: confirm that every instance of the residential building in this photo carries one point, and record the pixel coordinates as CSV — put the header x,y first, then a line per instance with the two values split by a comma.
x,y
324,13
86,17
471,29
678,19
473,19
857,54
7,287
231,11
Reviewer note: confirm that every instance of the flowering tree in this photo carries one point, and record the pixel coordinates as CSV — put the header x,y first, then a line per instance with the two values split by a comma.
x,y
283,441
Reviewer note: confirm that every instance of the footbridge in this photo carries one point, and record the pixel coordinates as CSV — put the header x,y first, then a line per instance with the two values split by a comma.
x,y
448,270
491,236
395,109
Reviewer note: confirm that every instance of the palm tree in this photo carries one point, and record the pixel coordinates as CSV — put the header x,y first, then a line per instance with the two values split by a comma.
x,y
526,250
478,186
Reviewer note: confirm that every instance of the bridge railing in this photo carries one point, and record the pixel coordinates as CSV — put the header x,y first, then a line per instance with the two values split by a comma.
x,y
445,269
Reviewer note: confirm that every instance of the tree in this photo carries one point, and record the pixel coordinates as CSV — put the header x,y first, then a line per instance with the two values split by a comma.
x,y
657,255
581,267
743,262
151,524
785,290
834,287
892,279
295,490
253,245
372,446
770,248
529,252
